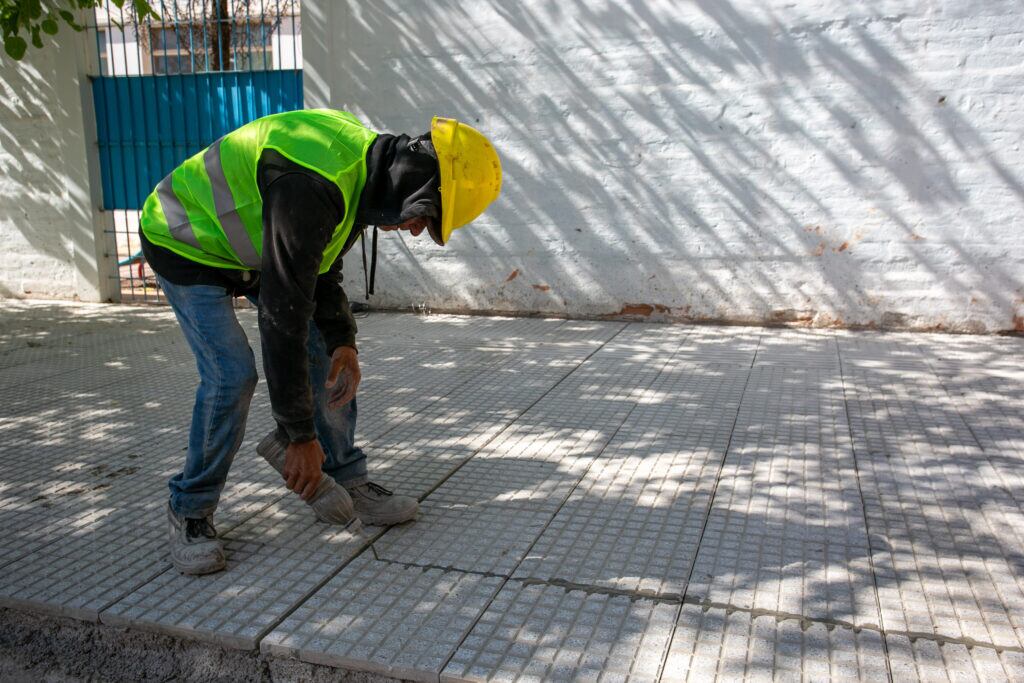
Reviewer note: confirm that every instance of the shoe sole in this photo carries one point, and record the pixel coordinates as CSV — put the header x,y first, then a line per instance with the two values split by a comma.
x,y
199,570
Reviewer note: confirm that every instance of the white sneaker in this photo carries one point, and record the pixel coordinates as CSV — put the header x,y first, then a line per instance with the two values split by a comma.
x,y
195,548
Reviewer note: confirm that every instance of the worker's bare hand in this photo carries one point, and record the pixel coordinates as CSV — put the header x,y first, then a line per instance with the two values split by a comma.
x,y
344,377
302,462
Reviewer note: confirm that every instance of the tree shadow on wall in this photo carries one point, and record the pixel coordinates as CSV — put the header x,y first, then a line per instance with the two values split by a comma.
x,y
647,167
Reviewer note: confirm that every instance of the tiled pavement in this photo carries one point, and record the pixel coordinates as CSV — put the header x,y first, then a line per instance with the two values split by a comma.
x,y
601,500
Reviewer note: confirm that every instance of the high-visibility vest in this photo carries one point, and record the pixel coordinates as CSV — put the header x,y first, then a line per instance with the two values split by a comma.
x,y
209,208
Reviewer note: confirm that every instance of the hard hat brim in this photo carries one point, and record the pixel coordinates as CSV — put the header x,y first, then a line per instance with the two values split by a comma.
x,y
442,134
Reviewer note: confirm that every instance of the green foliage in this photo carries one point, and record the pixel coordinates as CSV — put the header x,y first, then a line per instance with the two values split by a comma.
x,y
33,18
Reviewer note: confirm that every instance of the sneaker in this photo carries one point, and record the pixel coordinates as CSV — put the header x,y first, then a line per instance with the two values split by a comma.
x,y
330,502
376,505
195,548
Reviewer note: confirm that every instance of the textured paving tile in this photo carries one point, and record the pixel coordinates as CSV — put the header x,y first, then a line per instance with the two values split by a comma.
x,y
718,645
501,420
290,523
413,471
540,633
398,329
600,392
535,467
96,564
989,403
734,346
973,354
490,538
513,386
65,508
232,608
891,347
51,479
384,618
105,349
695,402
928,660
946,527
98,420
252,486
635,519
799,348
786,531
646,341
468,400
447,431
487,513
29,527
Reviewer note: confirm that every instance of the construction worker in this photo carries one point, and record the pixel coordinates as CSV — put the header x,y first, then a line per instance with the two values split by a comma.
x,y
267,212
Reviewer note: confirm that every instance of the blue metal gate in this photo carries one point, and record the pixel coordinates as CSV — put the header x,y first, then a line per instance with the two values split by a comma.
x,y
165,89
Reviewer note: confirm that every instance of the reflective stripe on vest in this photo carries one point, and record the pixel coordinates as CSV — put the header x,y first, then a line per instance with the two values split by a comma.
x,y
224,203
174,212
209,209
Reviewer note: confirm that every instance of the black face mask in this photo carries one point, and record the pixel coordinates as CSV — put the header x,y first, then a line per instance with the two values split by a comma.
x,y
403,181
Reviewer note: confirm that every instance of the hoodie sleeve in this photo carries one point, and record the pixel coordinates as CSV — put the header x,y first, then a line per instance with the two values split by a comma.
x,y
332,316
299,217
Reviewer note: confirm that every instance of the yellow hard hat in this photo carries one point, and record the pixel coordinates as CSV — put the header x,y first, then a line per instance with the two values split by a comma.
x,y
470,173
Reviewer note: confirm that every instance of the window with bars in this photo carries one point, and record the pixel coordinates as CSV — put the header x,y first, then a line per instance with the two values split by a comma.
x,y
196,48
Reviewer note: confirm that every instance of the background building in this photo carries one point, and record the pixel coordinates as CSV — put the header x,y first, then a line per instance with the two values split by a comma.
x,y
815,163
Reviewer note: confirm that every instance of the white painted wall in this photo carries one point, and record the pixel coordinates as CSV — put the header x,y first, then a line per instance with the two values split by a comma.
x,y
287,44
827,161
52,238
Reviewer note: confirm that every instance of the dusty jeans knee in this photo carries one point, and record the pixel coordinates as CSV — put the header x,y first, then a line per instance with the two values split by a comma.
x,y
227,380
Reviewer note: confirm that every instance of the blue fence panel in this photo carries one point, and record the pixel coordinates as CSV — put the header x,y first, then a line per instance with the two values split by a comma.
x,y
147,125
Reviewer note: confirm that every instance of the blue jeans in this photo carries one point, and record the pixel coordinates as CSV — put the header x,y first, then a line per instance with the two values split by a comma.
x,y
227,380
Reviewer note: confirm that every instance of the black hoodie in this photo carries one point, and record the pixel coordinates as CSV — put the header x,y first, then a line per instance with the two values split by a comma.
x,y
300,211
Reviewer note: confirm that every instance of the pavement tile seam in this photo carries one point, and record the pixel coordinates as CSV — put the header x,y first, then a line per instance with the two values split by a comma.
x,y
928,660
485,537
445,568
716,645
634,405
499,433
919,490
710,505
863,503
505,582
469,381
286,623
902,526
547,633
233,609
384,618
707,605
915,589
26,577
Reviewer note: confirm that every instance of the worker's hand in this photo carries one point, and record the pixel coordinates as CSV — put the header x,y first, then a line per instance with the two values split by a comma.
x,y
302,462
343,380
